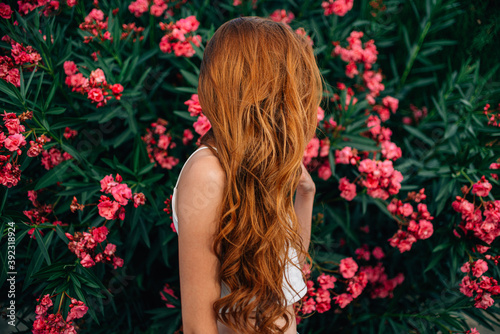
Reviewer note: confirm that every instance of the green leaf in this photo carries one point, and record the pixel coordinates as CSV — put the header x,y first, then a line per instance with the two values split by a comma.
x,y
185,115
190,77
56,174
340,222
42,245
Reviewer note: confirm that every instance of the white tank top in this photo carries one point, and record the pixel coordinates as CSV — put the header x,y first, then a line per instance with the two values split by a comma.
x,y
292,273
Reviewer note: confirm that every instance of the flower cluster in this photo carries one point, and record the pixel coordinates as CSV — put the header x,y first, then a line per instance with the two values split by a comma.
x,y
356,282
356,53
11,142
85,247
318,299
131,29
24,56
53,157
95,24
418,222
202,124
157,8
95,86
113,209
337,7
379,178
158,142
378,7
54,323
417,115
167,291
495,165
38,215
482,220
281,15
380,285
356,279
317,150
175,38
492,115
476,282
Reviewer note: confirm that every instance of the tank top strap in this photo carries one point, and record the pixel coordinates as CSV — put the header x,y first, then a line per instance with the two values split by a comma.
x,y
199,148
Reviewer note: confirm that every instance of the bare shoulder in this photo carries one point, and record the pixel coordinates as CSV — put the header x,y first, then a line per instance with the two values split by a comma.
x,y
200,189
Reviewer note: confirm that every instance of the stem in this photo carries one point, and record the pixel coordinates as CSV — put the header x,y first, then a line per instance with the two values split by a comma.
x,y
60,304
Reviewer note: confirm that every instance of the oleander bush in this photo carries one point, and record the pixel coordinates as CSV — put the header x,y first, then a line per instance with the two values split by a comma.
x,y
100,110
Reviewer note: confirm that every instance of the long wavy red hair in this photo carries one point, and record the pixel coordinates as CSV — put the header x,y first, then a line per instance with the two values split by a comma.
x,y
260,88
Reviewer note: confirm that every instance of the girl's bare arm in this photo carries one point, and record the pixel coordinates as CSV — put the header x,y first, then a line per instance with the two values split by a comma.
x,y
199,196
303,204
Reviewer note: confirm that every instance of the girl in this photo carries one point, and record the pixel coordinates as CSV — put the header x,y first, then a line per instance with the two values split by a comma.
x,y
242,238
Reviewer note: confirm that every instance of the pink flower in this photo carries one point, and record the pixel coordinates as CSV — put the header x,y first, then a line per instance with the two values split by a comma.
x,y
95,14
14,142
367,166
425,229
363,253
117,262
391,103
87,261
378,253
78,310
107,183
494,165
99,234
390,150
13,125
351,70
326,281
193,104
348,190
484,301
311,151
472,331
308,306
139,199
324,171
348,267
70,67
337,7
202,125
138,7
158,8
97,76
482,187
465,267
467,286
345,156
321,114
357,284
95,94
188,24
110,249
5,11
187,136
343,300
479,268
280,15
164,141
107,209
402,240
